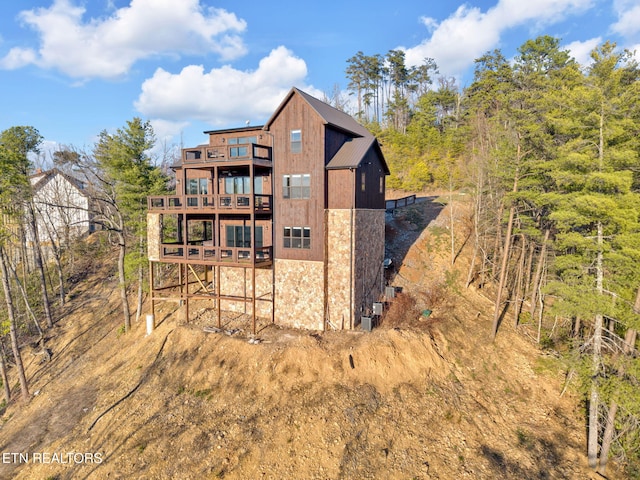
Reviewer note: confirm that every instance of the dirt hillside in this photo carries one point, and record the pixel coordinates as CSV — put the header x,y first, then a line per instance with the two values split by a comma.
x,y
424,397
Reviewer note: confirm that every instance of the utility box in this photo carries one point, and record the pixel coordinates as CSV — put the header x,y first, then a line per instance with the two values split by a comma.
x,y
366,323
390,292
377,308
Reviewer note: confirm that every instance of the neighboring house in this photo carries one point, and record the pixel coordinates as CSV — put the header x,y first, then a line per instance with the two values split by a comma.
x,y
284,220
62,207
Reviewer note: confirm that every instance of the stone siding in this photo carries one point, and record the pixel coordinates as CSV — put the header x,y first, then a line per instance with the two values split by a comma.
x,y
340,268
355,252
299,290
235,281
153,236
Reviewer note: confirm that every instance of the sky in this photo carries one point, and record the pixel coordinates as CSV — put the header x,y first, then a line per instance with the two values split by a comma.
x,y
73,68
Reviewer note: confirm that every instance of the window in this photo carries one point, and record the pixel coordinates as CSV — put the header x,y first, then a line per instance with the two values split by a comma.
x,y
237,185
240,236
296,186
197,186
363,181
297,237
296,141
242,140
238,152
381,184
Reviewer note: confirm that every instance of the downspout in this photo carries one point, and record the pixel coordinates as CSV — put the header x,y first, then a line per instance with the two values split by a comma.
x,y
351,259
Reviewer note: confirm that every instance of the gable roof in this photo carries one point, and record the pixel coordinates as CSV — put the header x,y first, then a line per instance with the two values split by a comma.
x,y
354,149
353,152
40,179
330,115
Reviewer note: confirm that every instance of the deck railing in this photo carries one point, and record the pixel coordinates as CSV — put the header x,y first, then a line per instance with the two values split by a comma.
x,y
214,254
227,153
222,202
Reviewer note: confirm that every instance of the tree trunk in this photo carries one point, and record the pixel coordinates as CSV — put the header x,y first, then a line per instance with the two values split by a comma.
x,y
594,426
123,283
140,294
141,253
496,245
610,428
505,260
37,259
477,208
4,376
576,327
519,298
538,275
25,299
529,270
607,437
13,331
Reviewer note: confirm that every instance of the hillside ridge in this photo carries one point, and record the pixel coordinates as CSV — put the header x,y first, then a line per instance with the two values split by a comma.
x,y
418,397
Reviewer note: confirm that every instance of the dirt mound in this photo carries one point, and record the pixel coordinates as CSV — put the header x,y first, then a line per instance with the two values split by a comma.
x,y
419,397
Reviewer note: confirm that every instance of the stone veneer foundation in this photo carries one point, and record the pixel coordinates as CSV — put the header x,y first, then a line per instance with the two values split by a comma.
x,y
355,253
236,281
153,236
304,296
299,294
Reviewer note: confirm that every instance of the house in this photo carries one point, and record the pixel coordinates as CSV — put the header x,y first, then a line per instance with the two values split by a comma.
x,y
61,207
284,220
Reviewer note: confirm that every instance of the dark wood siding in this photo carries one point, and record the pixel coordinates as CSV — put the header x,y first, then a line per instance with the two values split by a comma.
x,y
334,139
298,115
372,196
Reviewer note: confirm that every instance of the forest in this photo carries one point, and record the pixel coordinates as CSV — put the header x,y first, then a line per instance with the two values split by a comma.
x,y
546,150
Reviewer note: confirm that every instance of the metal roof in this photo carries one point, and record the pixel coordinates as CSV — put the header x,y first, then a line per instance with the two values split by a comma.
x,y
353,152
330,115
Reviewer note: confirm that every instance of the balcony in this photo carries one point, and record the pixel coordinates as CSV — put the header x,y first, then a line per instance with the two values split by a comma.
x,y
231,256
227,153
222,203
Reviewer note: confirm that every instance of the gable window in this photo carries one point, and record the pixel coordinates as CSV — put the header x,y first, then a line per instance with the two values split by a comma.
x,y
296,141
297,237
296,186
363,181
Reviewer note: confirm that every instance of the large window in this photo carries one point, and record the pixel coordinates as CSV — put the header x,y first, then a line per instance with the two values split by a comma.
x,y
240,151
240,236
296,186
297,237
197,186
242,185
296,141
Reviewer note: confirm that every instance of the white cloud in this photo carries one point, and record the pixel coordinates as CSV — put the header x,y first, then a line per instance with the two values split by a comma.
x,y
469,33
628,24
224,95
581,50
108,47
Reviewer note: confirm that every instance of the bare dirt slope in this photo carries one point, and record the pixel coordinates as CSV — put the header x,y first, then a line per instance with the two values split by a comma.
x,y
416,398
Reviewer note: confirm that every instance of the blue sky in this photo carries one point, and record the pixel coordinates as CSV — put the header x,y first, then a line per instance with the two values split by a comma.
x,y
73,68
